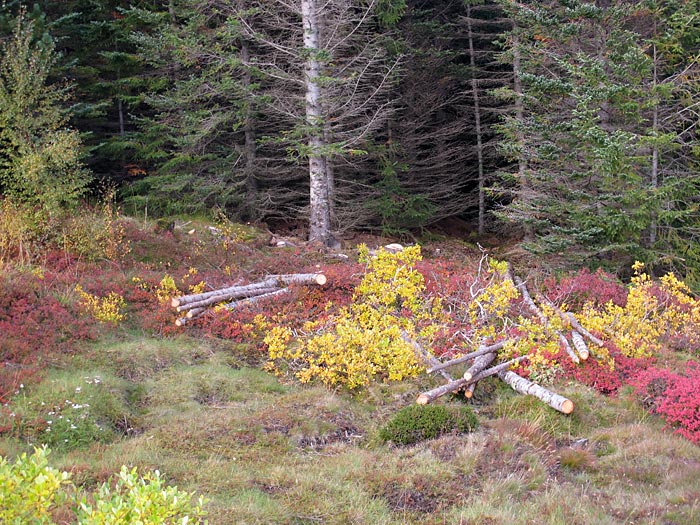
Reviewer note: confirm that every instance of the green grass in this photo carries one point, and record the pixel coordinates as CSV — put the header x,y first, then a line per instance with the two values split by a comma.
x,y
267,452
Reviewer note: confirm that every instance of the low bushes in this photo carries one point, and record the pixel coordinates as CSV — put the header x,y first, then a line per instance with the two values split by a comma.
x,y
416,423
31,492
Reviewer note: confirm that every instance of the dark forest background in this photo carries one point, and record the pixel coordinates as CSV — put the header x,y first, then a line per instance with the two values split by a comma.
x,y
570,126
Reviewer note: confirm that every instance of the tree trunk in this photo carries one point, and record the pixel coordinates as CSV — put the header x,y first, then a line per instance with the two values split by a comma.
x,y
319,207
477,124
524,190
524,386
249,148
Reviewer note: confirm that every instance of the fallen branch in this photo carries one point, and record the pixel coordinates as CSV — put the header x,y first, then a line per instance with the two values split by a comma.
x,y
467,357
527,387
252,300
480,363
427,357
543,318
432,395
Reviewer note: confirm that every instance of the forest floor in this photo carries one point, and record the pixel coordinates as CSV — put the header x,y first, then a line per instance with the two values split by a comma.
x,y
196,404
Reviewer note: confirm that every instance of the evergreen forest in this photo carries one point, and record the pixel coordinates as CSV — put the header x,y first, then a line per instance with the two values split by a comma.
x,y
570,125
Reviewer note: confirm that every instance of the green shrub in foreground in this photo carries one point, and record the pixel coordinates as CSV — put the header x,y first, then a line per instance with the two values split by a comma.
x,y
416,423
30,490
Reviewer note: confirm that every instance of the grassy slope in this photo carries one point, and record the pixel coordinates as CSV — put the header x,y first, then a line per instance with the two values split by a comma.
x,y
267,452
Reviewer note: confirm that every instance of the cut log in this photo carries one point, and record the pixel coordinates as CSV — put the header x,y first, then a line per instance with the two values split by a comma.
x,y
195,312
248,291
527,387
480,363
222,294
468,357
252,300
469,391
425,355
271,281
432,395
567,347
300,278
580,345
581,330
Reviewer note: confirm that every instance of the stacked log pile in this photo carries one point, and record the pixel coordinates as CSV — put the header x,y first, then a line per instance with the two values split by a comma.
x,y
482,360
232,297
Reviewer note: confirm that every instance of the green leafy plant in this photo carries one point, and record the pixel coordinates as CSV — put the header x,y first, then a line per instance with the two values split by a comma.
x,y
416,423
30,489
144,500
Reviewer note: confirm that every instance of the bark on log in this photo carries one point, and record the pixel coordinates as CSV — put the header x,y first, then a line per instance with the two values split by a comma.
x,y
425,355
250,291
271,281
432,395
221,294
581,330
580,345
525,386
467,357
252,300
480,363
300,278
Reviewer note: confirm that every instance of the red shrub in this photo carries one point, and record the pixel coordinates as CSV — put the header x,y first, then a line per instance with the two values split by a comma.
x,y
675,397
584,286
599,375
34,324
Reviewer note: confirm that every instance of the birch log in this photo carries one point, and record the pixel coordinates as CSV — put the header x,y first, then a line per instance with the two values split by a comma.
x,y
251,291
480,363
580,345
252,300
468,357
527,387
231,292
432,395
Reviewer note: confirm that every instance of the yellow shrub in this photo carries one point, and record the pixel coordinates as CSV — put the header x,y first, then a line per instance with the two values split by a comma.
x,y
105,309
370,339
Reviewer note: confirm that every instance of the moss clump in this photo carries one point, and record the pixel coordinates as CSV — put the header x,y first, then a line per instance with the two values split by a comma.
x,y
416,423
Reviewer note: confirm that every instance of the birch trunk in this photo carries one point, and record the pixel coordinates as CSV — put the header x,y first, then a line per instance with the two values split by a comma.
x,y
319,206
